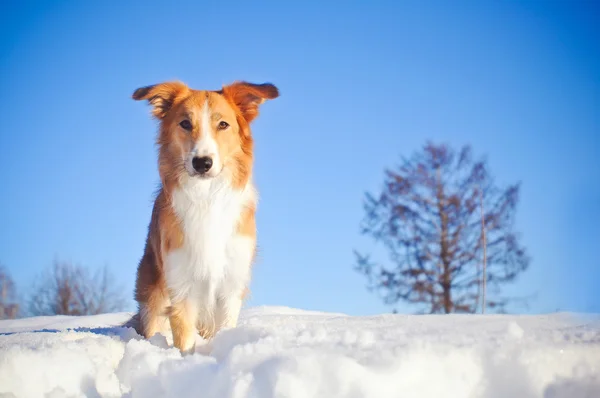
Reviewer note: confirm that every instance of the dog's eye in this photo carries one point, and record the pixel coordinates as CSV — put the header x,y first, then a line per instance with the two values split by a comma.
x,y
223,125
186,124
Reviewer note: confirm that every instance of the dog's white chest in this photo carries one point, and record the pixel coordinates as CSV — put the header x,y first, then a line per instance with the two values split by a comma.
x,y
213,260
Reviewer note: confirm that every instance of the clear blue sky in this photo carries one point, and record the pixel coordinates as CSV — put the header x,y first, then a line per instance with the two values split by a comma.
x,y
360,85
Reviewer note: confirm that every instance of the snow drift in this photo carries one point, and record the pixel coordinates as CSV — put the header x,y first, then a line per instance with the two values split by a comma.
x,y
284,352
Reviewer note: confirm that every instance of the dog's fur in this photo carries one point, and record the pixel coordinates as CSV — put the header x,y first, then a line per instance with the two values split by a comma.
x,y
195,270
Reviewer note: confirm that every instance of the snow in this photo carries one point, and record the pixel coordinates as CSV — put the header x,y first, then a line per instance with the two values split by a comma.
x,y
286,352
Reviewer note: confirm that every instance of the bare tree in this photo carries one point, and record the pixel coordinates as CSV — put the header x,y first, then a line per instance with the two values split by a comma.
x,y
9,307
439,214
67,289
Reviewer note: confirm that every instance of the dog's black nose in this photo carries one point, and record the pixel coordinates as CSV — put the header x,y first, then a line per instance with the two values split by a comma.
x,y
202,165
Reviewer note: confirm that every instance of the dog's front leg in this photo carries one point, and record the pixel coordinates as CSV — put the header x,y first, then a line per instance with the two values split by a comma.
x,y
228,310
183,316
241,250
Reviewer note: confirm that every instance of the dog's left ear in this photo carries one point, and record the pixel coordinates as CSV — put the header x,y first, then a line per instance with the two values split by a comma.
x,y
161,96
248,96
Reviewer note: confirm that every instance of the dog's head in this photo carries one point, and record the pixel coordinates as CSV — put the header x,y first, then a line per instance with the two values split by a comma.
x,y
205,132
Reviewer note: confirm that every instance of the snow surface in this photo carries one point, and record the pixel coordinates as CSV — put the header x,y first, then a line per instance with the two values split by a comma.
x,y
284,352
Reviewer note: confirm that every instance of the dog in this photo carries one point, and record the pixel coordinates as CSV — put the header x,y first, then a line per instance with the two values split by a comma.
x,y
195,270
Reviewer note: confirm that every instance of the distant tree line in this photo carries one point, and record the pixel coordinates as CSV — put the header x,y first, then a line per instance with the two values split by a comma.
x,y
63,288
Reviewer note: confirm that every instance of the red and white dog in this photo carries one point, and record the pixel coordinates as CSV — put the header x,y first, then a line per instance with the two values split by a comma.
x,y
195,270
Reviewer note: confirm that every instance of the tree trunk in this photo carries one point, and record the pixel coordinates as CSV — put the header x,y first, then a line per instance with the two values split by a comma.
x,y
444,249
483,244
447,297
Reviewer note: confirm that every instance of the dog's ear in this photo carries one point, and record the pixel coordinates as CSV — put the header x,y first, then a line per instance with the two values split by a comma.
x,y
248,96
161,96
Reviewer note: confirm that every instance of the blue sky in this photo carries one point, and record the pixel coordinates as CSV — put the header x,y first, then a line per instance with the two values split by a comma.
x,y
361,84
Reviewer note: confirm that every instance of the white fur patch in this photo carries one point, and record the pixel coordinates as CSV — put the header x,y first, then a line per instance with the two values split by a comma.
x,y
213,264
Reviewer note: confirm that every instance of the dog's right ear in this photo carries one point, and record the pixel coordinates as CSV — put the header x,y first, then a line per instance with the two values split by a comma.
x,y
161,96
